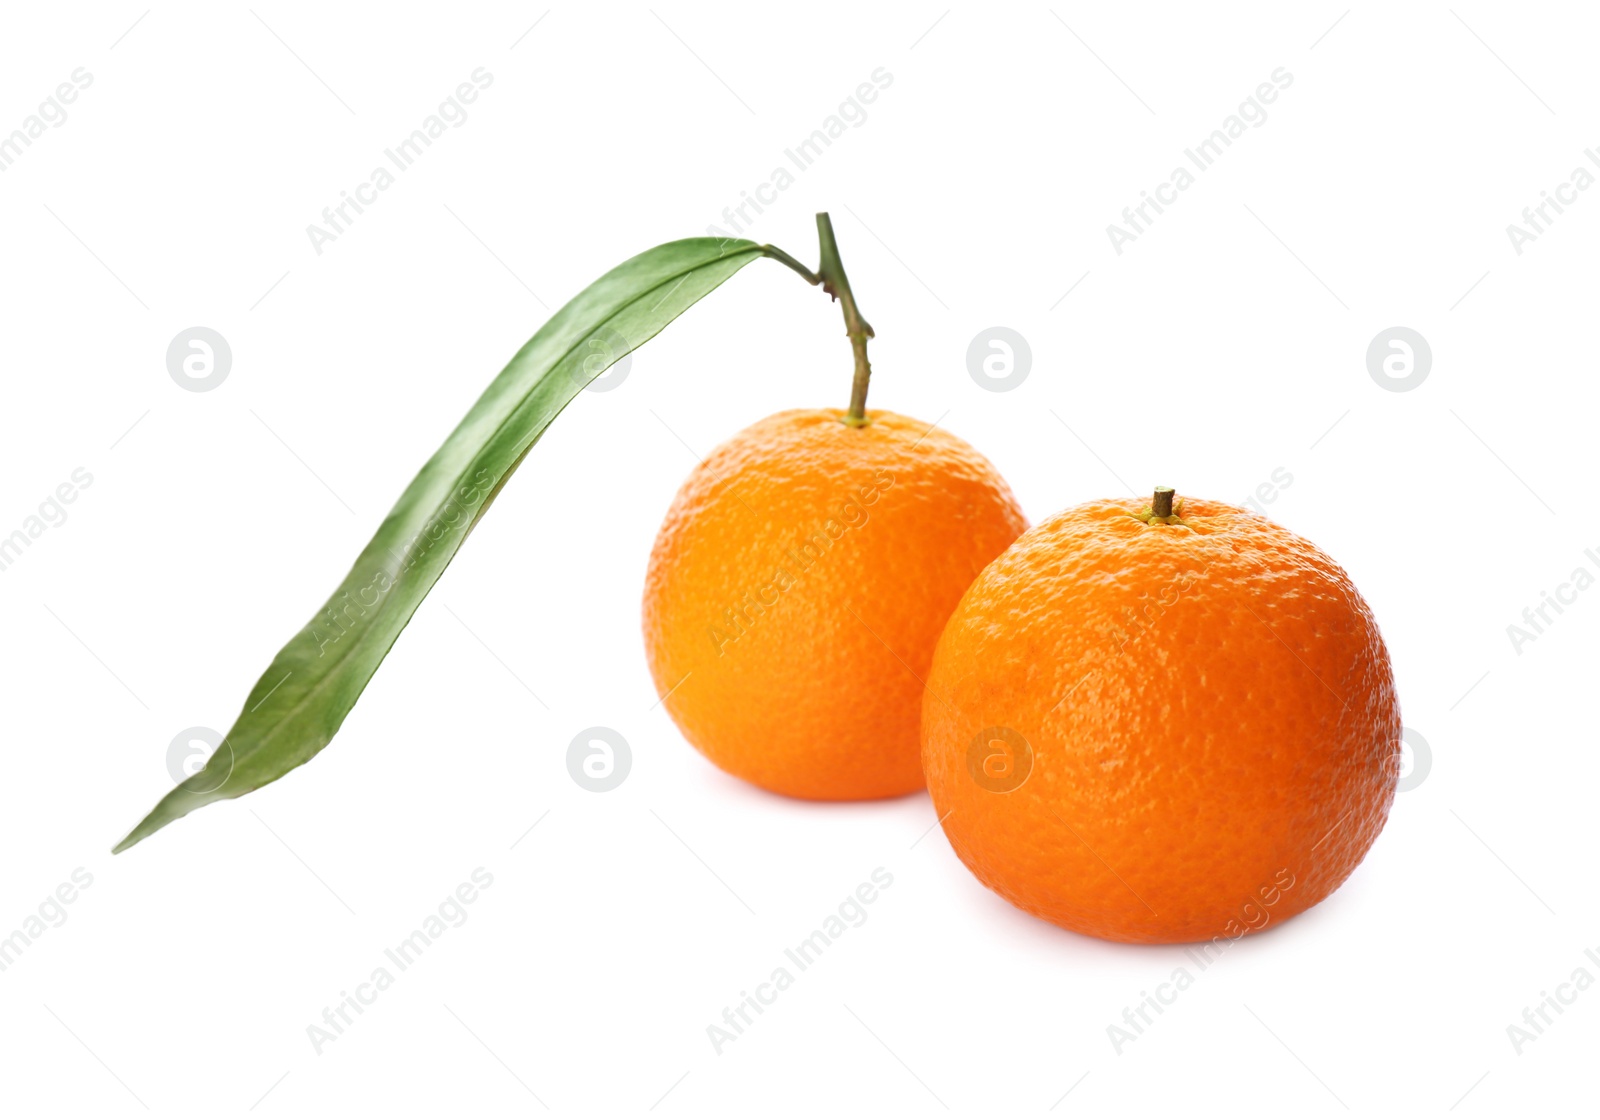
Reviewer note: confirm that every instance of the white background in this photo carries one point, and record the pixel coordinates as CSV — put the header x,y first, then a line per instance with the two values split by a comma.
x,y
1228,341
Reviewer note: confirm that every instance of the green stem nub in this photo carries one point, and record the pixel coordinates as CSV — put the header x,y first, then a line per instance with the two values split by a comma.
x,y
1161,504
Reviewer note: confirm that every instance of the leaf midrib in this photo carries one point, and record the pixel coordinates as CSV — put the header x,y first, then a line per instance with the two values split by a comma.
x,y
277,726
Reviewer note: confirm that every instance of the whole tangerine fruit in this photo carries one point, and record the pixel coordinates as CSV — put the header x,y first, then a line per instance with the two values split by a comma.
x,y
798,586
1162,722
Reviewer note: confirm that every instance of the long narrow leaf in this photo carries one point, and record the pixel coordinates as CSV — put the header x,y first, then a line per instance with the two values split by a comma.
x,y
303,697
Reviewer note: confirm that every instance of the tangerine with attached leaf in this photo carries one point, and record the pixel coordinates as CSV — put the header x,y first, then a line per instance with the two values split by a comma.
x,y
797,589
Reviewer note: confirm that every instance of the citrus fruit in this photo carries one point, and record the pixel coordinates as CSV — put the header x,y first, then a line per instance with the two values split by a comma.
x,y
797,588
1161,723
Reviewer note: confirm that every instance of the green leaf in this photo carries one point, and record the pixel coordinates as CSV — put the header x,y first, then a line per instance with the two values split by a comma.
x,y
297,706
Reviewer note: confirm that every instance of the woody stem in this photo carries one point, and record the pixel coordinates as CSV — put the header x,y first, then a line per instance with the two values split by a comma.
x,y
1161,504
831,275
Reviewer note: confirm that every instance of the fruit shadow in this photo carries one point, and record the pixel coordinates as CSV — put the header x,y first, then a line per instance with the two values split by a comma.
x,y
1019,928
965,892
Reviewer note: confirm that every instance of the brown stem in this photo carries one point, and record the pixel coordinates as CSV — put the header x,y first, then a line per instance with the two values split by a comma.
x,y
1161,504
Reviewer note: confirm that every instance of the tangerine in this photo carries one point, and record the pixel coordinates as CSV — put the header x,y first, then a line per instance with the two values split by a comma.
x,y
1162,722
798,586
